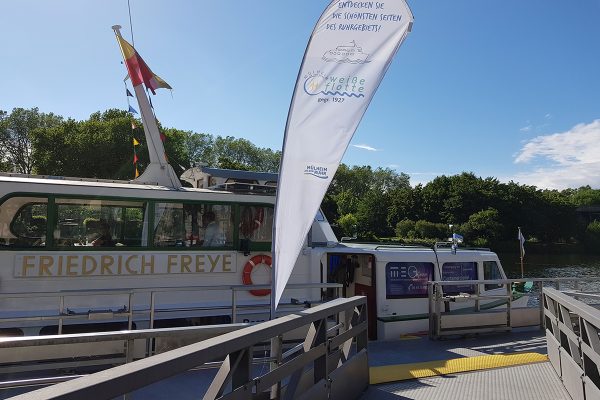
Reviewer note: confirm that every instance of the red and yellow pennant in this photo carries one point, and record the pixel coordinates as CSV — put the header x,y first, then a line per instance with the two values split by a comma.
x,y
139,72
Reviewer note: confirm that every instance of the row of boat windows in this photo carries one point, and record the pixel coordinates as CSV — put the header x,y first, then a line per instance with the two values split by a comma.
x,y
409,279
24,223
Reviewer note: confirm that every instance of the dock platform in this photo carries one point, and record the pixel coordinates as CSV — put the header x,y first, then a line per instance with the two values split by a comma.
x,y
492,366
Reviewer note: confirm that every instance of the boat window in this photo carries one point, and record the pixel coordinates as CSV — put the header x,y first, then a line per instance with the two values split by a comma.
x,y
459,271
98,222
407,279
319,217
23,222
256,223
491,270
204,225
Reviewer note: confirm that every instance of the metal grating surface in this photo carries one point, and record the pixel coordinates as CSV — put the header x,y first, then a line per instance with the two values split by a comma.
x,y
526,382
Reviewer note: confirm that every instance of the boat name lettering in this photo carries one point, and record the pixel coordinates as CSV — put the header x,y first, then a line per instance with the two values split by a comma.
x,y
50,265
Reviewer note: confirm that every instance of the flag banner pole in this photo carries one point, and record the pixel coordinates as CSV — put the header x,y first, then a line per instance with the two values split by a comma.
x,y
158,171
521,250
349,51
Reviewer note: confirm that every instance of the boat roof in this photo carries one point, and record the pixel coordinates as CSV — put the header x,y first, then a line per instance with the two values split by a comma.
x,y
15,183
88,182
239,174
372,247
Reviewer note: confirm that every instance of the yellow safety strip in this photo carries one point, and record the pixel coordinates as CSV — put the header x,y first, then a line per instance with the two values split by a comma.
x,y
401,372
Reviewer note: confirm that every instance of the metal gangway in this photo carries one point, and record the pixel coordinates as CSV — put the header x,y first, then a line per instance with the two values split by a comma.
x,y
572,335
250,361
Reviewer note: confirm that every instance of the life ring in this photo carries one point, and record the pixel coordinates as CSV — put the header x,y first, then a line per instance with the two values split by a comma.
x,y
247,273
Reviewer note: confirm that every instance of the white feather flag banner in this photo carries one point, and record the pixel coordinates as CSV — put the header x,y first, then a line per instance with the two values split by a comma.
x,y
347,56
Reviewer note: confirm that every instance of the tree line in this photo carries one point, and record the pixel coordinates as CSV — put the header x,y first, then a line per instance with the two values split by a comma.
x,y
362,202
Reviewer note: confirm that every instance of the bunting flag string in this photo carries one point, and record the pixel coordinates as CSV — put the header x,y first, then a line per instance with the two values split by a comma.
x,y
128,94
132,110
135,143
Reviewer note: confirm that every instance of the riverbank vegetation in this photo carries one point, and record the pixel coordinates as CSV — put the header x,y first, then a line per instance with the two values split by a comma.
x,y
370,204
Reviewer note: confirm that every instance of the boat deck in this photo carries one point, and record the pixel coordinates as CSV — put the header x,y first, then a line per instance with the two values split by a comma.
x,y
500,366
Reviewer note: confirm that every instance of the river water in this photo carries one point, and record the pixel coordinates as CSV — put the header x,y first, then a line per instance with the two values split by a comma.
x,y
554,266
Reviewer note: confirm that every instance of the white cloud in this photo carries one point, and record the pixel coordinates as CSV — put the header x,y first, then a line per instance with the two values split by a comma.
x,y
364,147
574,158
526,128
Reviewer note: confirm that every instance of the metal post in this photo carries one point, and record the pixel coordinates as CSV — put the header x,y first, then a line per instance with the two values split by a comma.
x,y
431,310
60,312
152,307
233,306
508,303
541,305
276,345
130,310
438,310
477,293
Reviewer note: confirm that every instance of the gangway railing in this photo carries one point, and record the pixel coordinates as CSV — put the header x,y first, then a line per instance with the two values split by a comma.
x,y
573,341
69,352
493,309
150,307
325,365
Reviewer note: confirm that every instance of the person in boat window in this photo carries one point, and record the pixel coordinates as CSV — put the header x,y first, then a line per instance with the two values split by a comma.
x,y
212,233
105,238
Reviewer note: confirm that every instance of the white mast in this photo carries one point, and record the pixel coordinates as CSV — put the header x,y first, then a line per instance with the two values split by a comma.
x,y
159,171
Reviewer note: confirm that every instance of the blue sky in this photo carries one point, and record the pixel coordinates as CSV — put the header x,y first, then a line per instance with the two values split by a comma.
x,y
503,88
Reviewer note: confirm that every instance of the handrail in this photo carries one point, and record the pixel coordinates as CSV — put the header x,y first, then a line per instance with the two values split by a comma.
x,y
323,351
516,280
95,337
442,322
573,341
152,309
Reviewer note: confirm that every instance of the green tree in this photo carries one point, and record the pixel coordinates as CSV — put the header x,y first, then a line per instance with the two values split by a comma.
x,y
16,131
482,225
430,230
348,224
592,236
405,229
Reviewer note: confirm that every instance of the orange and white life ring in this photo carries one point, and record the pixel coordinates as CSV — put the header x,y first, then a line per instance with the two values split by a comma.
x,y
247,273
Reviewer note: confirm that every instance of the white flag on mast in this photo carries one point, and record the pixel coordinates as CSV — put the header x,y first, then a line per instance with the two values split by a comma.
x,y
522,243
347,56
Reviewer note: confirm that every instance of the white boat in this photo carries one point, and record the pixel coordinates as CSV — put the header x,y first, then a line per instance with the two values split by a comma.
x,y
83,255
48,227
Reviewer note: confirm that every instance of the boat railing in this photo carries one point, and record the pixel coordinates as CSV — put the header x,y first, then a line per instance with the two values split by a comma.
x,y
151,308
329,361
573,340
493,304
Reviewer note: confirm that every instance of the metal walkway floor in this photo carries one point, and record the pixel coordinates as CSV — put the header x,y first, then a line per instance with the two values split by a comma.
x,y
527,382
396,362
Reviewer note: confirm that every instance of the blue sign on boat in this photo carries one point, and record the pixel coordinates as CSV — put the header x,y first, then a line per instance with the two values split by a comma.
x,y
459,271
407,279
